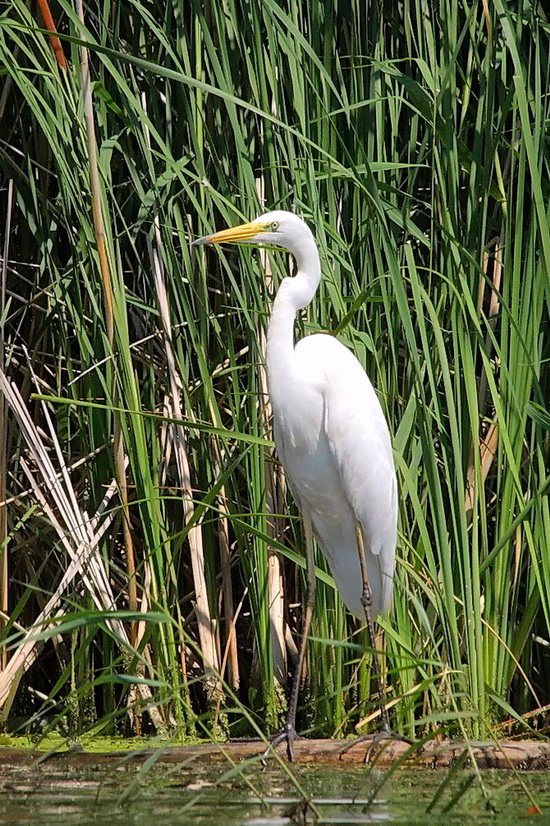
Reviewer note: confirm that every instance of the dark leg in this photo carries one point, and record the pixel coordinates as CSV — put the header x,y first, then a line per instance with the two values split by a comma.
x,y
385,732
289,731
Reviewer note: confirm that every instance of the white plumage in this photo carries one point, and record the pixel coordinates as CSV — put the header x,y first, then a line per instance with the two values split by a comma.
x,y
333,441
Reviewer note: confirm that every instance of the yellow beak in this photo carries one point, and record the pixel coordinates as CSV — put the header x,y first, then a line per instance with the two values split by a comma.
x,y
244,232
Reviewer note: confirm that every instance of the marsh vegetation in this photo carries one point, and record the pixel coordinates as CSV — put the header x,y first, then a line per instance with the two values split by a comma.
x,y
151,571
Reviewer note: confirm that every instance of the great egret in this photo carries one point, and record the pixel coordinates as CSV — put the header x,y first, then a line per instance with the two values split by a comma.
x,y
333,442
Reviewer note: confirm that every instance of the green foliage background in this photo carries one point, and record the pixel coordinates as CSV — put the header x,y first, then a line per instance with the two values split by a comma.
x,y
413,137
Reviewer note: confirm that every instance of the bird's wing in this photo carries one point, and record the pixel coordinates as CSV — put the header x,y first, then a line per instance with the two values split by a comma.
x,y
359,440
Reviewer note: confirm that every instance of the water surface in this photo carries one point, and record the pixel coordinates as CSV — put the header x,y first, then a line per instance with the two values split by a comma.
x,y
215,795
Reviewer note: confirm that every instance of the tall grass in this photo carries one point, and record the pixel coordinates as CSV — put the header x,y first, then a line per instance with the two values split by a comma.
x,y
412,137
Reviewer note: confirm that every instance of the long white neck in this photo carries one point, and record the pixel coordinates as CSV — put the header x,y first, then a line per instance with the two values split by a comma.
x,y
294,294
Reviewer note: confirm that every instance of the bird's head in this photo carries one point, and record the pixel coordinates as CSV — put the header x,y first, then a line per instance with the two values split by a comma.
x,y
279,228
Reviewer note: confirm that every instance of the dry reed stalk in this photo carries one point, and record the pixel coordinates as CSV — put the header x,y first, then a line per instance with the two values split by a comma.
x,y
4,551
99,228
275,587
487,444
231,654
79,534
206,628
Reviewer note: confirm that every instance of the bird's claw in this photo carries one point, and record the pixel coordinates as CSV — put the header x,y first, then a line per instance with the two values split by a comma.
x,y
289,734
385,733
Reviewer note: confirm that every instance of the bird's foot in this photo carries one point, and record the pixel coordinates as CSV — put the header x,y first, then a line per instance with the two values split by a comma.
x,y
288,734
385,733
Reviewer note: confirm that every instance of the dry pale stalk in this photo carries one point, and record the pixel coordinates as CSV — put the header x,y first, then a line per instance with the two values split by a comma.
x,y
275,589
4,567
79,534
487,444
99,228
206,628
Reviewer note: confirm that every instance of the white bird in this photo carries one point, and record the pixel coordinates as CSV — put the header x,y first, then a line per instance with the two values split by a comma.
x,y
332,440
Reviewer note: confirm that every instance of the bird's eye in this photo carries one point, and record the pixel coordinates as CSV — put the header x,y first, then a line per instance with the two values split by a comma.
x,y
274,226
